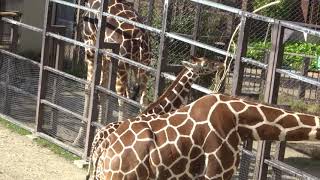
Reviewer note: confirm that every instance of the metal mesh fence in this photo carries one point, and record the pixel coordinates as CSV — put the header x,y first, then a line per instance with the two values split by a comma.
x,y
63,127
18,81
65,92
18,87
110,109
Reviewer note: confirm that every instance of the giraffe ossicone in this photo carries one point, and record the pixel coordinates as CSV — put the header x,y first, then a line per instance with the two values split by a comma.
x,y
174,97
198,141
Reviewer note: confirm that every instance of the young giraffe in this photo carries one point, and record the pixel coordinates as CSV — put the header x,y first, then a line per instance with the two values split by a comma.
x,y
198,141
134,44
174,96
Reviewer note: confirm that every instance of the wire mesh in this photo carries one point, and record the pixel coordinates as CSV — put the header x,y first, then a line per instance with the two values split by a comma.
x,y
63,127
18,88
246,167
65,92
301,57
110,109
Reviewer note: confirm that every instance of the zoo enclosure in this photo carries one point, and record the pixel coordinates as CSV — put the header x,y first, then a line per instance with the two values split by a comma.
x,y
50,94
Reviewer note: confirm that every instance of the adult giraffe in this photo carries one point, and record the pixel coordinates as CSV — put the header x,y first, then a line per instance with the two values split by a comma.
x,y
133,41
134,44
174,96
198,141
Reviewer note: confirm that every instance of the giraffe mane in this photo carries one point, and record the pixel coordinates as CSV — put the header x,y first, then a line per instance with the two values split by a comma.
x,y
175,82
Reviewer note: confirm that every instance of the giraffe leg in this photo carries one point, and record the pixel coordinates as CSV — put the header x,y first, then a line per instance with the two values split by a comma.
x,y
121,85
81,133
103,83
143,88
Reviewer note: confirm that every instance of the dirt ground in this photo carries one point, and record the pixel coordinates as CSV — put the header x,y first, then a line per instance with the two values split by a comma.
x,y
22,159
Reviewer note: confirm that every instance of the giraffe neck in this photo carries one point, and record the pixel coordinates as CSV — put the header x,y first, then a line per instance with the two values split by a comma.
x,y
263,122
175,95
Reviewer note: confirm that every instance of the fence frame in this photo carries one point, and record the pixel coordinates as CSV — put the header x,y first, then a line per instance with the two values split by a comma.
x,y
272,69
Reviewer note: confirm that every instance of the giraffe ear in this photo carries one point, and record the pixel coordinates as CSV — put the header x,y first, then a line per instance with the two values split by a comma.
x,y
191,66
186,63
195,60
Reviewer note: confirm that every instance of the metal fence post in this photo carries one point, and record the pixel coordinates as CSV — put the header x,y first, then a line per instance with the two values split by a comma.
x,y
304,72
150,12
43,75
196,27
270,95
237,85
241,52
93,104
163,49
111,84
56,61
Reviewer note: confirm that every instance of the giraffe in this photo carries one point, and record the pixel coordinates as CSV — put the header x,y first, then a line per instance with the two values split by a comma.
x,y
174,96
134,44
198,141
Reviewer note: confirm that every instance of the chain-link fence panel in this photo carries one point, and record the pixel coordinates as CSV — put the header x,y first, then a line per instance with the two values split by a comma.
x,y
18,87
64,127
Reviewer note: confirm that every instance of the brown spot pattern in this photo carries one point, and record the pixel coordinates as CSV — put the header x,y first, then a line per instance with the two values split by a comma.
x,y
128,138
237,106
215,168
170,152
197,165
307,120
250,117
129,154
226,155
177,119
298,134
288,121
186,128
172,135
270,113
212,143
222,120
180,166
268,132
200,114
184,144
200,133
245,133
195,152
157,125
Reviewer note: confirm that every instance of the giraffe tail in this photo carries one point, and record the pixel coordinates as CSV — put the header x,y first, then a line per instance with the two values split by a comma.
x,y
89,169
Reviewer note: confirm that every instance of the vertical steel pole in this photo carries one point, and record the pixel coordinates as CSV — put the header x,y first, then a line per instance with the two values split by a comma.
x,y
196,29
237,86
163,50
271,94
93,104
150,12
42,73
241,52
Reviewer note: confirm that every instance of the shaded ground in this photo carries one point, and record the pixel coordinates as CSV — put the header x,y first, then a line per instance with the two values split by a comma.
x,y
23,159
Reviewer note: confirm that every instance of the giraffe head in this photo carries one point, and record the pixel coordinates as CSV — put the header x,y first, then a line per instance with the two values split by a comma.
x,y
203,66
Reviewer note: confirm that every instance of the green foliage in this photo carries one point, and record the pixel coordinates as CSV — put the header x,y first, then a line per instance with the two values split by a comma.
x,y
292,61
283,10
299,105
